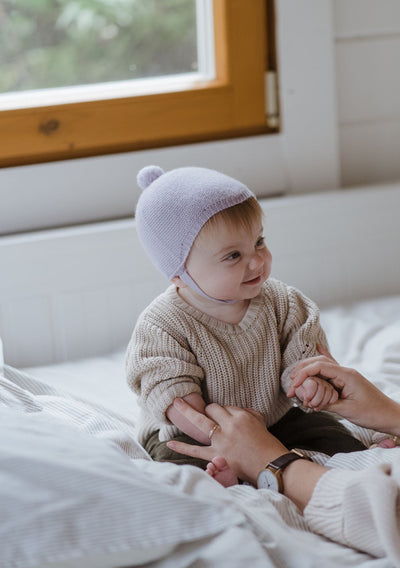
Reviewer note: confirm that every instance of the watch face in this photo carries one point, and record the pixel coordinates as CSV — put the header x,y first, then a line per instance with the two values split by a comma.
x,y
267,480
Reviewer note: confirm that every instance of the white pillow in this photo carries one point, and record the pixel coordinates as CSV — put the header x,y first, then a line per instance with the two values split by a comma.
x,y
68,498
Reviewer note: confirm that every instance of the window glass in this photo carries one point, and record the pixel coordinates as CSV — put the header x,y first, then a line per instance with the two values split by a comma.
x,y
215,89
56,43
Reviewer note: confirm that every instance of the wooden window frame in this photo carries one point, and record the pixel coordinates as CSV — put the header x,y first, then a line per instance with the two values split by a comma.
x,y
231,105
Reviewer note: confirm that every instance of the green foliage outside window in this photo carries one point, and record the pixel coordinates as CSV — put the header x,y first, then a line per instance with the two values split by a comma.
x,y
53,43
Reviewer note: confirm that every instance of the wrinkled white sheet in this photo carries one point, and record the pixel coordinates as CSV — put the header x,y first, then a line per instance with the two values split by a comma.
x,y
248,527
364,335
98,379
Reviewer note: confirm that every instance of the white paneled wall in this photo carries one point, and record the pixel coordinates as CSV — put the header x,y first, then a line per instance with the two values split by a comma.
x,y
77,292
367,51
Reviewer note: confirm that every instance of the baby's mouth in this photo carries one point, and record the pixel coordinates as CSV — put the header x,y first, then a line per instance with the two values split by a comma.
x,y
255,280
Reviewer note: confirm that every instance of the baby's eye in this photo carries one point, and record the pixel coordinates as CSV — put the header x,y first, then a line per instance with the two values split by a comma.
x,y
260,243
233,256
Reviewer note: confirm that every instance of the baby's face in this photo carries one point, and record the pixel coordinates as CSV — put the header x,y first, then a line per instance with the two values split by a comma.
x,y
230,262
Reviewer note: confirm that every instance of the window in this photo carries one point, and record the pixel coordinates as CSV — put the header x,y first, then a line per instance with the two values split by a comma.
x,y
47,44
232,103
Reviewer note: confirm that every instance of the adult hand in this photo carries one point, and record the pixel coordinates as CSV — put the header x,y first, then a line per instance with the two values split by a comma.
x,y
316,393
359,401
196,401
240,437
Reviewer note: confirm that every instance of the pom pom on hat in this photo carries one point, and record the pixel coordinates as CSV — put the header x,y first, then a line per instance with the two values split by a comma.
x,y
174,206
147,175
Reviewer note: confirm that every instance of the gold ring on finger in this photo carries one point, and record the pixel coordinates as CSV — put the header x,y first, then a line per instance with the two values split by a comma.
x,y
213,430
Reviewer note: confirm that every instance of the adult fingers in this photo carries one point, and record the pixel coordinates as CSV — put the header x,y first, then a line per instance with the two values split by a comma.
x,y
304,363
324,368
256,414
204,423
203,452
221,414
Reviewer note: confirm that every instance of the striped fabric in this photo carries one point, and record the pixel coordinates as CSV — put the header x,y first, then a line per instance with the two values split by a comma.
x,y
69,494
72,497
20,390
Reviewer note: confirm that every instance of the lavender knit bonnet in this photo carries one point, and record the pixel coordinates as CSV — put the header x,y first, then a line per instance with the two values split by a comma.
x,y
174,206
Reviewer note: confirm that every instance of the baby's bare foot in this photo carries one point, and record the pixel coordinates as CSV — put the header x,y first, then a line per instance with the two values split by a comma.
x,y
219,469
387,443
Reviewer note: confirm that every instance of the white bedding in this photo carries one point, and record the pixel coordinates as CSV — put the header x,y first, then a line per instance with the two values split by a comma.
x,y
77,490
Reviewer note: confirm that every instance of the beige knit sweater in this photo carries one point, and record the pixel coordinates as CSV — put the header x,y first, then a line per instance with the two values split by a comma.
x,y
176,350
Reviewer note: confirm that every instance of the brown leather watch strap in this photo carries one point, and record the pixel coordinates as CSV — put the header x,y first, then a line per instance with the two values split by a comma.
x,y
283,461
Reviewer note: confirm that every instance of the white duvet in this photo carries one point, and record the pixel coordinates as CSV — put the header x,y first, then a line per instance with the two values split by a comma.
x,y
77,490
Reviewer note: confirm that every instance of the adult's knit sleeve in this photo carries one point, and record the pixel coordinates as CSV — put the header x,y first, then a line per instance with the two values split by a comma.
x,y
160,367
301,331
360,509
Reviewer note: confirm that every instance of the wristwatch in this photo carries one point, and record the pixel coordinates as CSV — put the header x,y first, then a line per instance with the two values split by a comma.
x,y
271,476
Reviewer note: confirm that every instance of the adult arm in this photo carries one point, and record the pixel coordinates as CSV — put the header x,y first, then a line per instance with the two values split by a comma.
x,y
248,446
360,509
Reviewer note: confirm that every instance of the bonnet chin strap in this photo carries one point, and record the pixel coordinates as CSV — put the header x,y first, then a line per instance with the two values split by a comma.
x,y
187,279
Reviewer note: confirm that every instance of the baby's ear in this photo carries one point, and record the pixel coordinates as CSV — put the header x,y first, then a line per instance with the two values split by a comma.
x,y
179,283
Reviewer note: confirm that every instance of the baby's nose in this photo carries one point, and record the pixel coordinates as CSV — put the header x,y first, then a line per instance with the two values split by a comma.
x,y
256,261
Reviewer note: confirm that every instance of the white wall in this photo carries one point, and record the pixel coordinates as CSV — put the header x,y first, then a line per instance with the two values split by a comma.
x,y
367,52
76,292
303,158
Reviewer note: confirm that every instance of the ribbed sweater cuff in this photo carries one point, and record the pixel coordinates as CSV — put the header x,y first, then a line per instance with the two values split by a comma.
x,y
324,512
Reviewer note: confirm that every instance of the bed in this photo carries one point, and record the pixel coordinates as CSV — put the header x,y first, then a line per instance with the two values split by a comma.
x,y
76,488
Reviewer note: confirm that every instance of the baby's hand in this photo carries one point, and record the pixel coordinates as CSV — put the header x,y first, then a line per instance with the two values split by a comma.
x,y
316,393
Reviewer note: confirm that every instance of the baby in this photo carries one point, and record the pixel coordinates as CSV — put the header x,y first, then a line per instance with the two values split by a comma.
x,y
224,331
